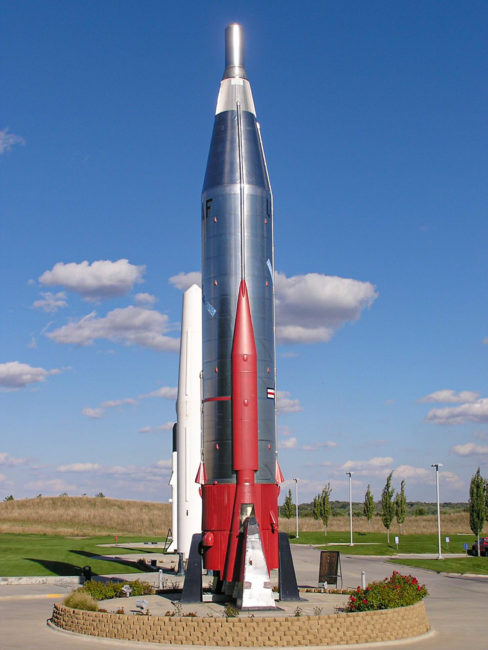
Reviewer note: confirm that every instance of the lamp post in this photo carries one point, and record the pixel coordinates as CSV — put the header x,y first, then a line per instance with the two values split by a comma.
x,y
296,505
350,505
437,465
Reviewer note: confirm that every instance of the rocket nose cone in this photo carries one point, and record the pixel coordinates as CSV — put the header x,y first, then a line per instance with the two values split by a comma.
x,y
234,52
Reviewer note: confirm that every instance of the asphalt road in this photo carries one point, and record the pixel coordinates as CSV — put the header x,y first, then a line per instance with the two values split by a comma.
x,y
456,608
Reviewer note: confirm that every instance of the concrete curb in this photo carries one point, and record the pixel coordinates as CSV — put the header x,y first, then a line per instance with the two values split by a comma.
x,y
40,580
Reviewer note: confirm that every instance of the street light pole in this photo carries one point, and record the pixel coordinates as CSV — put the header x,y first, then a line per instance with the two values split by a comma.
x,y
296,504
350,505
437,465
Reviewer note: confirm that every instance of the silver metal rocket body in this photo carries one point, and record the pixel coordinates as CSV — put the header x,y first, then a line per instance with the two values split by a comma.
x,y
237,241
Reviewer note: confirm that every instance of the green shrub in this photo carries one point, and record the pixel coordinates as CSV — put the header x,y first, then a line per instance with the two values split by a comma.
x,y
106,590
230,611
80,599
140,588
396,591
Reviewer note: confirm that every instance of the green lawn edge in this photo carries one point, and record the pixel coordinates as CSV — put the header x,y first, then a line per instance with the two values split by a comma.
x,y
24,554
460,566
376,543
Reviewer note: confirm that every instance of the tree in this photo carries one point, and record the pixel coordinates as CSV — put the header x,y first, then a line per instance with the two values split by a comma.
x,y
100,494
477,505
288,509
321,506
387,505
9,498
368,507
401,505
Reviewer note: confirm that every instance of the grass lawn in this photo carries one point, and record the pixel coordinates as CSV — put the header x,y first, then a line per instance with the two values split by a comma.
x,y
376,543
478,565
47,555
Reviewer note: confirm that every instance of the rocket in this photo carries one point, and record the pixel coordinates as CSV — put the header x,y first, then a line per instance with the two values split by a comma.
x,y
173,483
187,511
239,475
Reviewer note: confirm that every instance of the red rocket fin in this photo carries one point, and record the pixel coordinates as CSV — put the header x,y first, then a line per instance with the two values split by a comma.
x,y
201,476
279,478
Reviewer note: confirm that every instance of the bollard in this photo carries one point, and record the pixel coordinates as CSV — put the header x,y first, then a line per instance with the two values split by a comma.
x,y
363,579
86,573
180,571
160,578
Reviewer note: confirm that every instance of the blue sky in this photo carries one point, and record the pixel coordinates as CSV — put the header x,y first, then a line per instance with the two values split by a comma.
x,y
374,124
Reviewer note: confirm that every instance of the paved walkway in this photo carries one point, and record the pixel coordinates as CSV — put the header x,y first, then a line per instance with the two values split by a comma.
x,y
456,608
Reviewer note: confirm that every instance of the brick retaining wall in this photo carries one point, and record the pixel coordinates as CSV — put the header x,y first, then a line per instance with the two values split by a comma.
x,y
333,629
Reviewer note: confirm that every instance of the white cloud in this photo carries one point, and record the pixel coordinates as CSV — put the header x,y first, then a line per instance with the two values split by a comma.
x,y
99,412
413,473
469,449
164,464
162,427
51,485
448,396
51,302
288,443
95,281
9,461
166,392
145,299
79,467
474,412
130,326
284,430
118,470
481,435
93,413
311,307
285,404
8,140
372,463
3,478
112,403
452,479
184,281
319,445
19,375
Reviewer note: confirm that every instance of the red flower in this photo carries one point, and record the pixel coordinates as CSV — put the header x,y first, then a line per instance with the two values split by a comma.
x,y
358,589
353,599
365,602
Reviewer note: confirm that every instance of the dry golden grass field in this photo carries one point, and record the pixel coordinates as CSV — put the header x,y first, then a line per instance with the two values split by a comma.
x,y
452,524
84,516
92,516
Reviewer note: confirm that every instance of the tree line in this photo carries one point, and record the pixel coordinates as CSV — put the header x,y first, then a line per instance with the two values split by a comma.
x,y
394,505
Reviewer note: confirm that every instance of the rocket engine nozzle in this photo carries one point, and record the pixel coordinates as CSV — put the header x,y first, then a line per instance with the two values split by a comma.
x,y
234,52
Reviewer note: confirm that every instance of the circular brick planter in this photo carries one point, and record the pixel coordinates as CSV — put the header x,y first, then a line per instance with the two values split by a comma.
x,y
245,631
